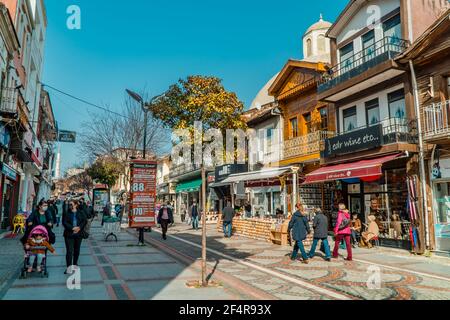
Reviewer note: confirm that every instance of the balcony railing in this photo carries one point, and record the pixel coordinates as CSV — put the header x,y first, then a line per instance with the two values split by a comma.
x,y
306,145
179,170
8,100
383,50
436,120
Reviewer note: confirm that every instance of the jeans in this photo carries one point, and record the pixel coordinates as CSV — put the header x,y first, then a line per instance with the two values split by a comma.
x,y
38,259
299,245
227,229
339,238
195,222
325,245
73,246
355,236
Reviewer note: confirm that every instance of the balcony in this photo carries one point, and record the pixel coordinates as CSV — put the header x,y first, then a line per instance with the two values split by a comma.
x,y
8,101
366,68
306,145
436,123
387,132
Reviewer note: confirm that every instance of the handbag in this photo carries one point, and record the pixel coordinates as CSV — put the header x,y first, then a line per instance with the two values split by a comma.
x,y
344,224
84,234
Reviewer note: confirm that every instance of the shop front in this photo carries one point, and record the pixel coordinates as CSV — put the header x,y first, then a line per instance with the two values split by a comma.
x,y
440,176
187,192
380,187
9,195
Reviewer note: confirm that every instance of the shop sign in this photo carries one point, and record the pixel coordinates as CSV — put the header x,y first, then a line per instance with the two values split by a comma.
x,y
9,172
368,138
225,171
67,136
143,194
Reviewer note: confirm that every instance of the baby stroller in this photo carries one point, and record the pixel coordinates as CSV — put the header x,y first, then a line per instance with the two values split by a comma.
x,y
39,230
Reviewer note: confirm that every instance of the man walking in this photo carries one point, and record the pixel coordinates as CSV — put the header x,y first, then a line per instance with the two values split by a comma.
x,y
300,230
165,217
320,225
227,218
194,212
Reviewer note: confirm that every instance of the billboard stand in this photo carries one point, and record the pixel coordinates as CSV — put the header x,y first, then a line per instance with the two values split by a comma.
x,y
142,212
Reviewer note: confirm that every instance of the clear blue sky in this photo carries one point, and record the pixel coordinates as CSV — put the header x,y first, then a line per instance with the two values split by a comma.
x,y
150,44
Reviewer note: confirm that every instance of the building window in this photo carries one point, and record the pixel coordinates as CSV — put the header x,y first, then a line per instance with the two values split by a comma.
x,y
368,42
323,119
448,87
269,140
294,127
308,47
373,112
397,108
350,120
321,43
346,56
307,119
392,30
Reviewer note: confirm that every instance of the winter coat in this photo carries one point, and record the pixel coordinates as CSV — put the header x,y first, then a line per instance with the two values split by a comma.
x,y
35,221
228,214
320,226
300,226
161,212
341,215
198,211
68,223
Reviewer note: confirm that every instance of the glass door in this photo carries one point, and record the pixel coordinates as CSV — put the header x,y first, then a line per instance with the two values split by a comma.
x,y
442,205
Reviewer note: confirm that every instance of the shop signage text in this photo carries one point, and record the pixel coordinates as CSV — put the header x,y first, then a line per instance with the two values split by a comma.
x,y
9,172
67,136
223,172
368,138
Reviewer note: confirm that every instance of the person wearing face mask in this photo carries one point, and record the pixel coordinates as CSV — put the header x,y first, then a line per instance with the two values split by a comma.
x,y
74,222
41,216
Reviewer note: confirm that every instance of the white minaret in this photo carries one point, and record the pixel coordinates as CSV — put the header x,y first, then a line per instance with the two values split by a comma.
x,y
58,164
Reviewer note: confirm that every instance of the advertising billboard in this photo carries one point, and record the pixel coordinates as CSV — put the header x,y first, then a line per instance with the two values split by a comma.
x,y
142,212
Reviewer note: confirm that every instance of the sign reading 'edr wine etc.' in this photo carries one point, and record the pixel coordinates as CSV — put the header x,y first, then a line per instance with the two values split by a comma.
x,y
364,139
143,194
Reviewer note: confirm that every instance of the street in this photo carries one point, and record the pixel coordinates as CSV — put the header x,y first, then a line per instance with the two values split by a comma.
x,y
246,269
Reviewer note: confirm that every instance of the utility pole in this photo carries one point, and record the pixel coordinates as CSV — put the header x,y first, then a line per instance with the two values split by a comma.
x,y
204,281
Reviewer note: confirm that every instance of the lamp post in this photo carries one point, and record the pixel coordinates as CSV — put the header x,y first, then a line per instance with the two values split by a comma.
x,y
144,107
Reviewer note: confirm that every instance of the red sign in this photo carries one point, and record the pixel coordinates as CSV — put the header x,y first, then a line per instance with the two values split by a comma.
x,y
142,212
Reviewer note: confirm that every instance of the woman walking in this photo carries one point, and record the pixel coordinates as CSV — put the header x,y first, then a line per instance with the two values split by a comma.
x,y
342,231
40,217
300,229
74,222
165,217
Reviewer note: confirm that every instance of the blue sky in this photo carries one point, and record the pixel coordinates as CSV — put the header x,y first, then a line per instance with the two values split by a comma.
x,y
150,44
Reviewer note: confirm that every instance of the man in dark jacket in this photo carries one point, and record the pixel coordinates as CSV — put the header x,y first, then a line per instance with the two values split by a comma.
x,y
320,233
300,229
165,217
227,218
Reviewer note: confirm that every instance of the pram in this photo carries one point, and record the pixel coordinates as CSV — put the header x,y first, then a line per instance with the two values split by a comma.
x,y
28,254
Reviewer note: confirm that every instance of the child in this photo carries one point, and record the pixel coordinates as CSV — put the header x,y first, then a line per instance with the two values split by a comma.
x,y
36,244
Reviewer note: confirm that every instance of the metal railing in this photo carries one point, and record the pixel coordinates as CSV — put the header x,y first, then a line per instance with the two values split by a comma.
x,y
385,49
179,170
8,100
394,130
436,120
306,145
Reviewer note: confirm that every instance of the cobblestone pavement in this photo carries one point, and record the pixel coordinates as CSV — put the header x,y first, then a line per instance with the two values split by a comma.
x,y
109,271
267,268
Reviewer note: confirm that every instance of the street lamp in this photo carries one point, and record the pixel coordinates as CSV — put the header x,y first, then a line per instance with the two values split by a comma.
x,y
144,107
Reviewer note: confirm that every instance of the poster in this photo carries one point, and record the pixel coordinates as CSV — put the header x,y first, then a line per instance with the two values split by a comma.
x,y
101,199
142,212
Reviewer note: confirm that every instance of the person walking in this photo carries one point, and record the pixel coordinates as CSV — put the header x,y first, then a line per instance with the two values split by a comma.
x,y
106,212
60,208
74,222
227,218
342,232
194,213
41,216
299,226
165,217
355,227
320,226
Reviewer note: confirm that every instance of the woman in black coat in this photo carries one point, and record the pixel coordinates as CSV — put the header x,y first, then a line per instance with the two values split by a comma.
x,y
165,217
41,216
74,222
300,229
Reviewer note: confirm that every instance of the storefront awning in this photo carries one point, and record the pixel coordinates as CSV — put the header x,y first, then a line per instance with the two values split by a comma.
x,y
256,175
189,186
359,169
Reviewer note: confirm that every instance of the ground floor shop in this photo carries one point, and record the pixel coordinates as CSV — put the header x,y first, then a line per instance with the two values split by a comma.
x,y
381,187
440,185
9,195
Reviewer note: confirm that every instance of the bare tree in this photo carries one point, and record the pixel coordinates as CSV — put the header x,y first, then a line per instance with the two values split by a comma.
x,y
106,132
